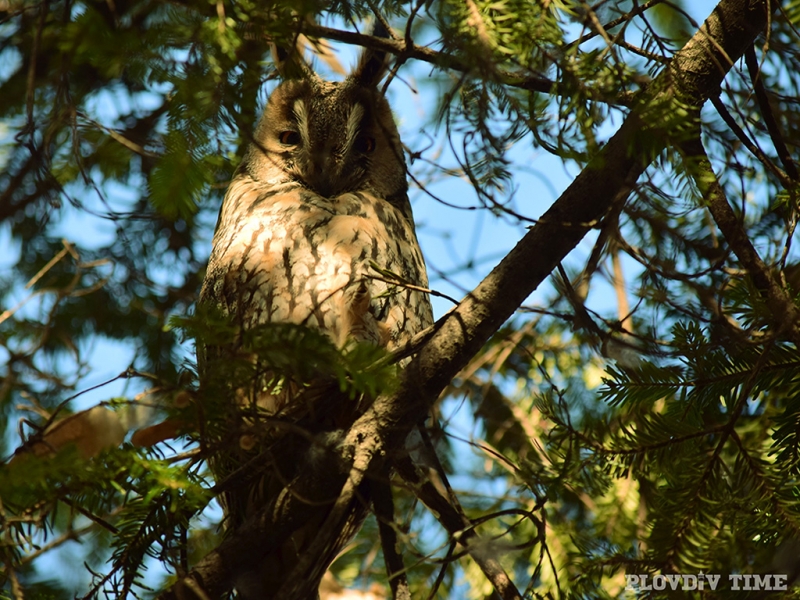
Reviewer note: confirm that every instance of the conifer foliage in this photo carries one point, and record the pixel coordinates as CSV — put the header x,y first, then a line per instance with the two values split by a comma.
x,y
637,416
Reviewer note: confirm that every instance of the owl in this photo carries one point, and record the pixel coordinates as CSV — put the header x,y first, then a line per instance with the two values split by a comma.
x,y
316,216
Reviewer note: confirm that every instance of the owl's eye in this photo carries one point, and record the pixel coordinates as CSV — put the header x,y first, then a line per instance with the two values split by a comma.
x,y
365,144
289,138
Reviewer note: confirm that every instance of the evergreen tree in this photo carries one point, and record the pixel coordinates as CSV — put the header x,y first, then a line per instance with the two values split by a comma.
x,y
586,439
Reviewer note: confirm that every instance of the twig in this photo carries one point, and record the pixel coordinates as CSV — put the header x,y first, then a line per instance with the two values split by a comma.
x,y
453,519
194,587
71,534
440,576
92,517
782,176
330,532
67,249
613,23
383,504
411,286
769,117
623,307
34,56
118,137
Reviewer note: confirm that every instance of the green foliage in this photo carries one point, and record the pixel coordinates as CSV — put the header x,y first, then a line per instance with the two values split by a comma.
x,y
153,521
293,352
142,500
121,124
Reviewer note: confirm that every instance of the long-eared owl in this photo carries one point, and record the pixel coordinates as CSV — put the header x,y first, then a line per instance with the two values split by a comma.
x,y
319,201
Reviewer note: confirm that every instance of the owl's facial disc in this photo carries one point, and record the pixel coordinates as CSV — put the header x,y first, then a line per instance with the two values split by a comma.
x,y
331,138
330,143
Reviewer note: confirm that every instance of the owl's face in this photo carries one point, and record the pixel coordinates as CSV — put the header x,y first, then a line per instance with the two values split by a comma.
x,y
331,138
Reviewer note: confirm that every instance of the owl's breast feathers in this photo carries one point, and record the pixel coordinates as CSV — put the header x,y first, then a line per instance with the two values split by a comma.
x,y
285,254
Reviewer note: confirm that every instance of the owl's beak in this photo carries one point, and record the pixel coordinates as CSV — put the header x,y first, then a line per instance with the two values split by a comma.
x,y
324,175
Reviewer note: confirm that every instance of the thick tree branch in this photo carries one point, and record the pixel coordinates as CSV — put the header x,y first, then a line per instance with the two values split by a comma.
x,y
785,314
667,108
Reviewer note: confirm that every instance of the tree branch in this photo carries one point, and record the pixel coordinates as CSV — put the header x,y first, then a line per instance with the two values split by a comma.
x,y
440,59
383,504
769,117
785,314
460,528
728,119
659,114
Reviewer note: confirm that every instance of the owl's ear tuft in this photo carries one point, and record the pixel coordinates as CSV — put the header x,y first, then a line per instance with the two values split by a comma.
x,y
373,63
289,61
